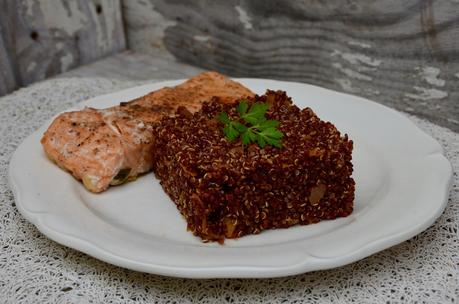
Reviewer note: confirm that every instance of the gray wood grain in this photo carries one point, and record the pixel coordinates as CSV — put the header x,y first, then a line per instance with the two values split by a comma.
x,y
129,66
47,37
9,78
7,81
404,54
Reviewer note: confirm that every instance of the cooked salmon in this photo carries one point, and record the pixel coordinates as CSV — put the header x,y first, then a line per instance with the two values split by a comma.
x,y
104,147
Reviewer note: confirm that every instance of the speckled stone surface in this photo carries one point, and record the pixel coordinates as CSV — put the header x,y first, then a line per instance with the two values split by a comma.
x,y
34,269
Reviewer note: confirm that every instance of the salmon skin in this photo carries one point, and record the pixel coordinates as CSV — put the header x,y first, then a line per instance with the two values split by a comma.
x,y
103,147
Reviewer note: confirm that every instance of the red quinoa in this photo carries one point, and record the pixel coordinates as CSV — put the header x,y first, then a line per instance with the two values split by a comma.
x,y
227,190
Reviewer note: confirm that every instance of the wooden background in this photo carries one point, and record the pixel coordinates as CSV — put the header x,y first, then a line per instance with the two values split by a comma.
x,y
401,53
41,38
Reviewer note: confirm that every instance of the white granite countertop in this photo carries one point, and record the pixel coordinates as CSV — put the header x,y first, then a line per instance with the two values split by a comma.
x,y
34,269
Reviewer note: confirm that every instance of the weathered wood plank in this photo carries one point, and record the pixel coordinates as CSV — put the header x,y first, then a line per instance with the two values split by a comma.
x,y
401,53
50,37
7,81
8,76
128,65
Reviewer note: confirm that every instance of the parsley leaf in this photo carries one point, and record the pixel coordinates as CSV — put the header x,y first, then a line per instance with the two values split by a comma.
x,y
242,107
272,137
257,129
240,127
231,132
256,114
223,117
245,138
268,124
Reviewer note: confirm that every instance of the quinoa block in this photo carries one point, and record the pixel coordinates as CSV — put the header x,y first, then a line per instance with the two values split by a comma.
x,y
225,189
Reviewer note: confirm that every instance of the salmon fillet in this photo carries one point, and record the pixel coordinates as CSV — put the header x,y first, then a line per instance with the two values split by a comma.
x,y
104,147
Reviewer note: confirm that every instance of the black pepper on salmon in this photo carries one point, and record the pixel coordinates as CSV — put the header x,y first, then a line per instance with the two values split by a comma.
x,y
107,147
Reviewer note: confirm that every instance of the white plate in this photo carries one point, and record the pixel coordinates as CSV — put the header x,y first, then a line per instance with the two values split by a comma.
x,y
402,183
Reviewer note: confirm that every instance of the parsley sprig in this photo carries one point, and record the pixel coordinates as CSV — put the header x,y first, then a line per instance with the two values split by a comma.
x,y
254,128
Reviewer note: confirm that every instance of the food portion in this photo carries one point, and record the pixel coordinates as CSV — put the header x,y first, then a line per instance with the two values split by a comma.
x,y
234,163
111,146
240,168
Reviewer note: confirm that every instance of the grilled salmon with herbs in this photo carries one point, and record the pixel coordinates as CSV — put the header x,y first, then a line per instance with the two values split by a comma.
x,y
103,147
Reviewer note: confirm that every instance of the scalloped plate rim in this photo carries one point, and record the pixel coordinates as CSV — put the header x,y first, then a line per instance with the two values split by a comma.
x,y
310,263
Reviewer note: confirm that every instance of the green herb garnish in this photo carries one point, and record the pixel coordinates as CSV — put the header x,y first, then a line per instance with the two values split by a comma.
x,y
254,128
